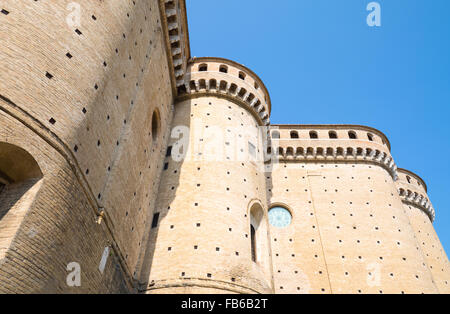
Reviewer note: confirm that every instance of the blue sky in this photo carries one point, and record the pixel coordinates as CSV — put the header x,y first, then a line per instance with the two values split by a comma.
x,y
323,64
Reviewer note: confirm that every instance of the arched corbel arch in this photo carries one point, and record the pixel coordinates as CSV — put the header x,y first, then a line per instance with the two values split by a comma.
x,y
20,180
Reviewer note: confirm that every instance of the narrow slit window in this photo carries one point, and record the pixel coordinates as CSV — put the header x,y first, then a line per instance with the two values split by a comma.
x,y
155,220
169,151
253,239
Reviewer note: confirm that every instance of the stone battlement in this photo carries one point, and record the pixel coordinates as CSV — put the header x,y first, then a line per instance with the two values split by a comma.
x,y
225,78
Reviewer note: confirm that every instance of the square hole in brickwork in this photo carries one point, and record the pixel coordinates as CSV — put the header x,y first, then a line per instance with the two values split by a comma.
x,y
5,12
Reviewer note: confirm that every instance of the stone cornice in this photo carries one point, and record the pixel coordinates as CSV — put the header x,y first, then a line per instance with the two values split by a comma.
x,y
175,26
222,85
419,200
338,154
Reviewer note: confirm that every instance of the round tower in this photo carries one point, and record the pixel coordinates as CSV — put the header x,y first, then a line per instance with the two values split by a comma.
x,y
348,232
413,193
210,230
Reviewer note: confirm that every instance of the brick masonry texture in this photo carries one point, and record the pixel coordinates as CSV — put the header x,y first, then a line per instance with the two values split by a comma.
x,y
88,116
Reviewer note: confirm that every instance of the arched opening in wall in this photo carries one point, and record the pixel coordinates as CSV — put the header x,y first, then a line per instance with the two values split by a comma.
x,y
212,84
233,88
242,93
250,98
156,125
242,75
377,154
370,137
259,245
352,135
294,135
20,179
202,84
313,135
332,135
203,68
408,178
223,86
275,135
223,69
290,151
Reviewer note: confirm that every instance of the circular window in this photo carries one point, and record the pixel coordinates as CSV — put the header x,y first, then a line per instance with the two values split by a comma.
x,y
280,217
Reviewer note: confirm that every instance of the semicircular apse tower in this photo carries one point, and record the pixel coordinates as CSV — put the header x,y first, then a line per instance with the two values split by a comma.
x,y
210,230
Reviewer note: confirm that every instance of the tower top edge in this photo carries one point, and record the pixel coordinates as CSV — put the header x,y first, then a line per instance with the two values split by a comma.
x,y
335,126
196,60
415,175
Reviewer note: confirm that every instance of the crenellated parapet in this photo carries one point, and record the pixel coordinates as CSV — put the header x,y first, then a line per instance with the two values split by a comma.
x,y
228,79
413,190
343,143
177,38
